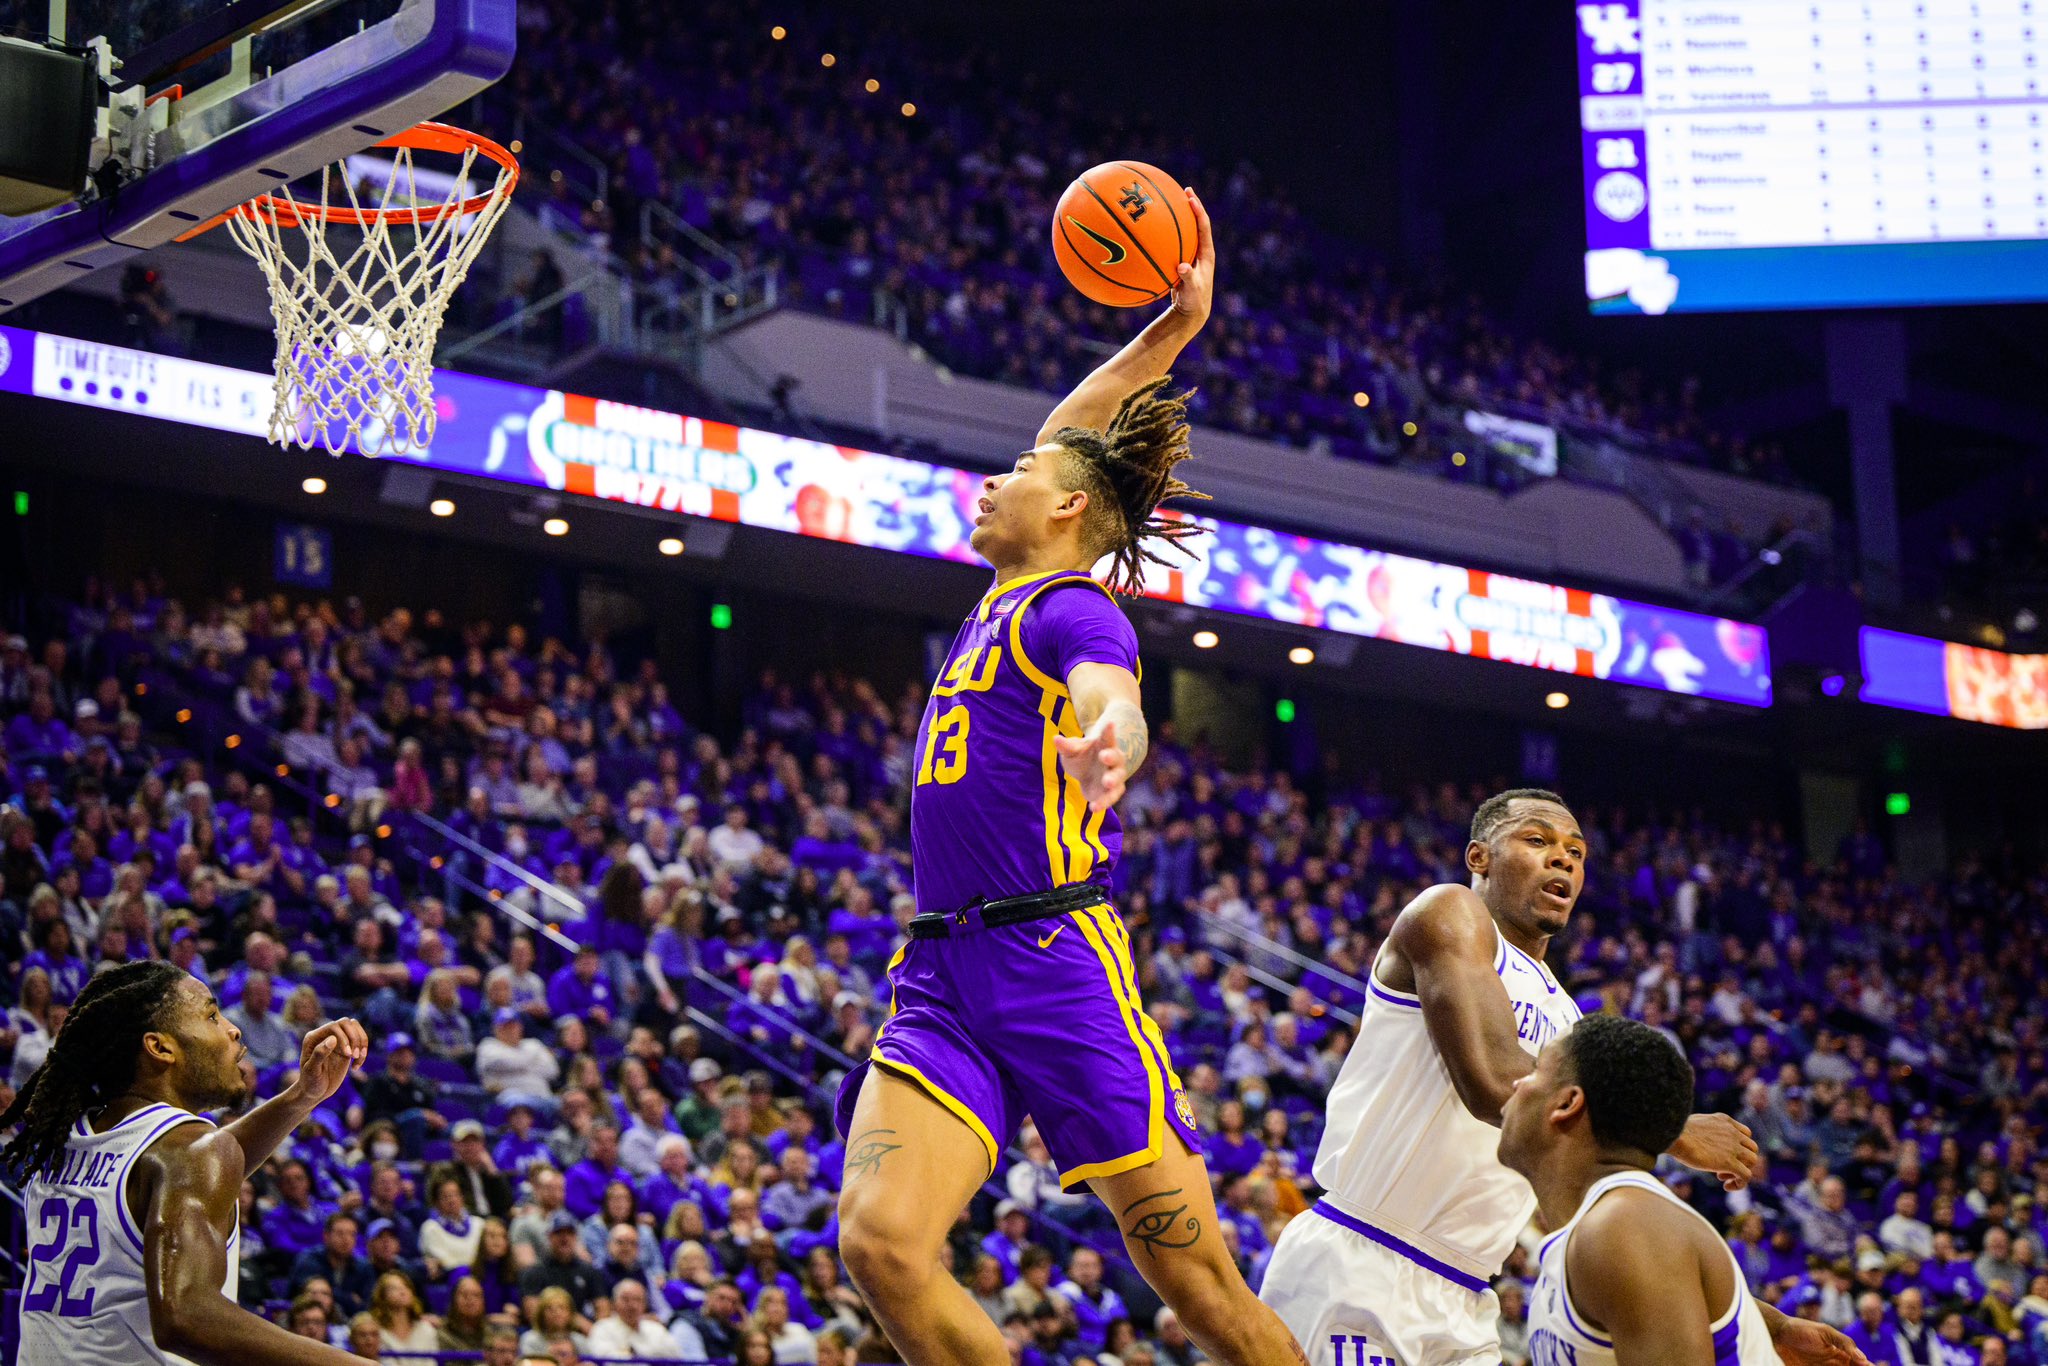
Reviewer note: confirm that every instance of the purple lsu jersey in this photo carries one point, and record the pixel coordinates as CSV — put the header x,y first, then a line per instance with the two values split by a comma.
x,y
992,813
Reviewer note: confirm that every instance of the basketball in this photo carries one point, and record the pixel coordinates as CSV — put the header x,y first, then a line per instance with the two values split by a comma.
x,y
1122,231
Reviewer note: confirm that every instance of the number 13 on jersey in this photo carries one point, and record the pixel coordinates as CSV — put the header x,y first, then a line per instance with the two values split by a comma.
x,y
945,747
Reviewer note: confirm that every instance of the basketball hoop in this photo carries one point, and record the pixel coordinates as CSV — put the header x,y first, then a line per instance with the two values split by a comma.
x,y
355,332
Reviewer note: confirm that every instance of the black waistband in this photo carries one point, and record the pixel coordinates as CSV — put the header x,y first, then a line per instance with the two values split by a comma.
x,y
1010,910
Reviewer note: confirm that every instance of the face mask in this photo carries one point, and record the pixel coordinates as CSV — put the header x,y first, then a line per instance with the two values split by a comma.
x,y
1254,1100
384,1152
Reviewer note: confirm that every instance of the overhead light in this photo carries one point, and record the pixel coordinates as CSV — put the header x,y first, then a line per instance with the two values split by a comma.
x,y
670,546
778,33
555,526
442,507
313,484
1206,640
1362,399
1458,459
873,85
1408,429
827,60
909,109
1301,654
1557,701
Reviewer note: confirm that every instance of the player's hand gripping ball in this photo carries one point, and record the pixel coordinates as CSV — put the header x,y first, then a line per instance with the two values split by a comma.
x,y
1122,232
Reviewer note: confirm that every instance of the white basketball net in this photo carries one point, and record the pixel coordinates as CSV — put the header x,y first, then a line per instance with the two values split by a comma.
x,y
355,334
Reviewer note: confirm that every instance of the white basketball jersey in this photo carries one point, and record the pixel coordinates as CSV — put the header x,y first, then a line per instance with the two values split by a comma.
x,y
1558,1336
85,1300
1401,1152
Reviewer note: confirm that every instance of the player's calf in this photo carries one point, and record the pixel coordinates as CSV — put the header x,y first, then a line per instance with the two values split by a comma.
x,y
1170,1228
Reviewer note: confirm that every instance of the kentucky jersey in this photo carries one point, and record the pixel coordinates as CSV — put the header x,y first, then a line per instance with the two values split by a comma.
x,y
992,813
1559,1336
85,1299
1402,1153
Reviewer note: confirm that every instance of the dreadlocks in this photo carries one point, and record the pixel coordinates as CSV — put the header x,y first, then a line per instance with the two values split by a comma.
x,y
91,1062
1127,472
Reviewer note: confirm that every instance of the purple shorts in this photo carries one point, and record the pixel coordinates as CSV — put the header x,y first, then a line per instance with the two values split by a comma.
x,y
1040,1019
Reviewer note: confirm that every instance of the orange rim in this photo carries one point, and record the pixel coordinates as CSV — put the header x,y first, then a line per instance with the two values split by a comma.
x,y
426,137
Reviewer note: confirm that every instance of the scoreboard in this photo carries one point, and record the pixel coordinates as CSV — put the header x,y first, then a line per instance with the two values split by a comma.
x,y
1749,154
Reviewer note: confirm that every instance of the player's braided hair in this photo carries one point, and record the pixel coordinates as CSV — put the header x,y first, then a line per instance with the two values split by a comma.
x,y
1127,471
91,1062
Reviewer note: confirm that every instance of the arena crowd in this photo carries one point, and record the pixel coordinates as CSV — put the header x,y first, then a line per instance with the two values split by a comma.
x,y
614,964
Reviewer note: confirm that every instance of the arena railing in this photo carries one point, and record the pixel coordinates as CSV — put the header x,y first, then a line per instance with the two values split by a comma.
x,y
1353,988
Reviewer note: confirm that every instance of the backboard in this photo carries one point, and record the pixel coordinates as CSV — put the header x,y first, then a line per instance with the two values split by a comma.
x,y
217,101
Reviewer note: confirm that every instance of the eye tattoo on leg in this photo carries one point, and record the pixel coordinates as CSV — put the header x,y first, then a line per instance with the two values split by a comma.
x,y
1161,1225
866,1152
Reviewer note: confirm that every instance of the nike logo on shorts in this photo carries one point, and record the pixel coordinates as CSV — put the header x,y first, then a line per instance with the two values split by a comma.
x,y
1047,941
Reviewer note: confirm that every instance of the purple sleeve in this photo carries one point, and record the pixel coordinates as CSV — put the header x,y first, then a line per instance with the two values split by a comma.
x,y
1069,626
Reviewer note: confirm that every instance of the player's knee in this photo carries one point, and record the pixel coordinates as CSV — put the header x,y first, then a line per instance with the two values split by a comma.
x,y
883,1251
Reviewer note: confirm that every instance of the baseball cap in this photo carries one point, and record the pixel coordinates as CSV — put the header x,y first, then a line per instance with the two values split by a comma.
x,y
1795,1093
505,1015
1006,1208
846,998
465,1128
1870,1260
360,841
36,774
562,1220
1173,934
87,709
380,1227
1809,1294
396,1040
15,643
705,1069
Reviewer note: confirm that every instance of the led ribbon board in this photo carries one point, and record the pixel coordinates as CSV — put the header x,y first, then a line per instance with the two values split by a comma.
x,y
548,439
1946,679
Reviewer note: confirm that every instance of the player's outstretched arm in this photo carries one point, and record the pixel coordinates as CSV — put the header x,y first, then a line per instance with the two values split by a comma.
x,y
1446,940
1152,352
1113,739
197,1183
1654,1308
1809,1342
1720,1144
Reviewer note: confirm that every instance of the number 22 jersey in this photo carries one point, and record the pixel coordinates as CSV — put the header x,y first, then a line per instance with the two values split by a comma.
x,y
86,1299
992,813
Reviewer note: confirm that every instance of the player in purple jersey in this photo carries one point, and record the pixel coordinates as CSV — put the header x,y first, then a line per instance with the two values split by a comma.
x,y
1016,994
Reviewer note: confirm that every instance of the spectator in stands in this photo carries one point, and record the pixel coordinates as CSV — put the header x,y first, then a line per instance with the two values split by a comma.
x,y
269,1042
630,1332
398,1094
485,1191
554,1321
449,1238
464,1327
1093,1304
336,1261
562,1267
402,1319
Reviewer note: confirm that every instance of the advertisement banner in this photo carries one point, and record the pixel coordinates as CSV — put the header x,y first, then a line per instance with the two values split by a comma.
x,y
596,448
1943,678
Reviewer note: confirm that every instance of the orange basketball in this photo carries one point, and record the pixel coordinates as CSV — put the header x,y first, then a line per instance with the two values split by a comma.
x,y
1121,233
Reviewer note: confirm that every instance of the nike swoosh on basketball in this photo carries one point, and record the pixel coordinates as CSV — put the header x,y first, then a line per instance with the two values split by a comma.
x,y
1047,941
1115,249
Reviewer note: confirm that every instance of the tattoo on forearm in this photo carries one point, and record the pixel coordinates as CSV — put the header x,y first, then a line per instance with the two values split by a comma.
x,y
1131,737
864,1155
1156,1221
